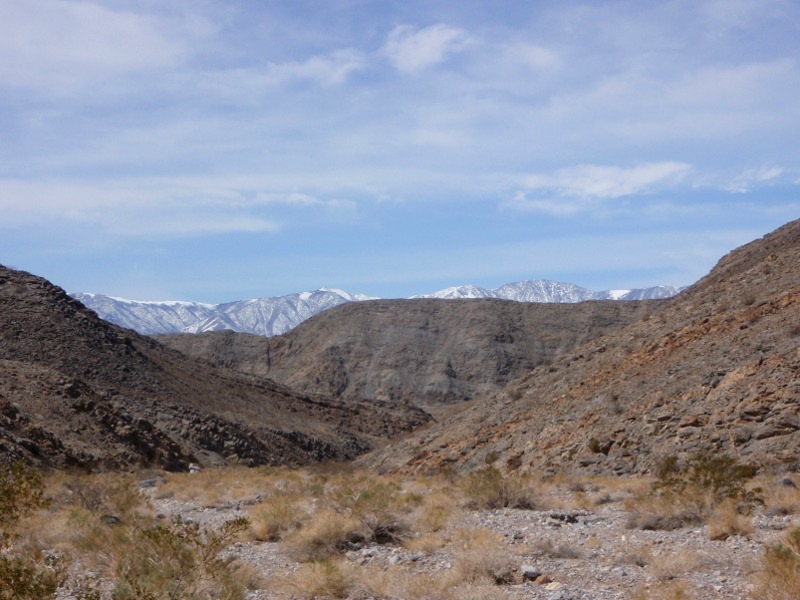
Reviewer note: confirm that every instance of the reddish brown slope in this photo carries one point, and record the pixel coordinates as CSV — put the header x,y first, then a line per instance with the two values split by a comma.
x,y
718,369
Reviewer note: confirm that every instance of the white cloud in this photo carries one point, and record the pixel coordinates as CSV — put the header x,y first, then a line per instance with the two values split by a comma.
x,y
129,209
328,69
557,207
594,181
753,177
58,45
535,57
412,50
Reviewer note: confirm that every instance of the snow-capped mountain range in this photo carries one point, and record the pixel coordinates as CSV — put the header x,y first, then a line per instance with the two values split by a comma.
x,y
274,316
262,316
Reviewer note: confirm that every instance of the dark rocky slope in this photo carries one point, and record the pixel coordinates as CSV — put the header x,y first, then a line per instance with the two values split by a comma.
x,y
716,370
75,390
422,352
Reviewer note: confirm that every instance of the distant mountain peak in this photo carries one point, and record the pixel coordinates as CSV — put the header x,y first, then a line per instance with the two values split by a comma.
x,y
279,314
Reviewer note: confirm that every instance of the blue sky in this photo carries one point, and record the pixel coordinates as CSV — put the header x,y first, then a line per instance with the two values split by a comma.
x,y
215,150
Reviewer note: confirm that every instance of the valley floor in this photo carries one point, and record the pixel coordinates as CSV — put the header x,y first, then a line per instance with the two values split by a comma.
x,y
357,536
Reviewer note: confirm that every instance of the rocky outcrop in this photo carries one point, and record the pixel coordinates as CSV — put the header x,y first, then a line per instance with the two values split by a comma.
x,y
421,352
76,391
717,369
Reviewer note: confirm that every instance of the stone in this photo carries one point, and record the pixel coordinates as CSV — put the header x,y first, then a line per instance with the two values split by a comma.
x,y
530,573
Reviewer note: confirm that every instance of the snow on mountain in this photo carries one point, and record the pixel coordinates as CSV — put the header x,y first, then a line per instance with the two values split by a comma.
x,y
460,293
274,316
262,316
148,317
543,290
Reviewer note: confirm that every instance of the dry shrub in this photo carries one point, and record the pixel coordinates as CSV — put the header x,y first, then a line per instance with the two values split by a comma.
x,y
686,494
219,486
666,512
394,583
326,534
322,579
781,500
489,489
635,553
436,512
673,590
109,529
780,575
547,548
277,516
180,561
727,520
427,543
479,591
480,557
666,567
25,573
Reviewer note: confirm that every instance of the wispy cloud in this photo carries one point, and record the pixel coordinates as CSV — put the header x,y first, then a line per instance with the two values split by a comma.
x,y
327,69
60,46
567,191
754,177
534,56
412,50
162,207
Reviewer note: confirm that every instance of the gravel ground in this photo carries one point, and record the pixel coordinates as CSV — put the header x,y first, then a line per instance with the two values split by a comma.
x,y
581,554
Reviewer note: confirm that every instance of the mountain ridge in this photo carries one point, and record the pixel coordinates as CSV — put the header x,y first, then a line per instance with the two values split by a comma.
x,y
714,371
273,316
76,391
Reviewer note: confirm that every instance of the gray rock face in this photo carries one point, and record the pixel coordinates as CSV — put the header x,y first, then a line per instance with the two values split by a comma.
x,y
422,352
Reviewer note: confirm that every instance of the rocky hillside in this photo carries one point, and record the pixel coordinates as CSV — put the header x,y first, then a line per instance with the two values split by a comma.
x,y
75,390
716,370
423,352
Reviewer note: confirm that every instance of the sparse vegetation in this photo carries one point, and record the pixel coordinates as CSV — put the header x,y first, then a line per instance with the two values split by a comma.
x,y
25,572
780,577
489,488
693,492
358,535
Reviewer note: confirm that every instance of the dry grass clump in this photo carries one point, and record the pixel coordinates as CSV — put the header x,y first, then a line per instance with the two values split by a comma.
x,y
326,534
353,509
635,553
26,572
780,575
101,523
323,579
667,567
673,590
780,498
686,494
480,557
277,516
489,489
339,578
727,520
547,548
222,486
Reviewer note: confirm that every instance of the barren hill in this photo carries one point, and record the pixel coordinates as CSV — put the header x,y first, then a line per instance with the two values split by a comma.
x,y
75,390
423,352
716,370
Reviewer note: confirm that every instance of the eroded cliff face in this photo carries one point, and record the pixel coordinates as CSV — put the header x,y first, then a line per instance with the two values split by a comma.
x,y
420,352
75,390
716,370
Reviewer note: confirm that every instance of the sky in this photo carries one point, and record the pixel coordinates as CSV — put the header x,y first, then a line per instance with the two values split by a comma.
x,y
216,150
